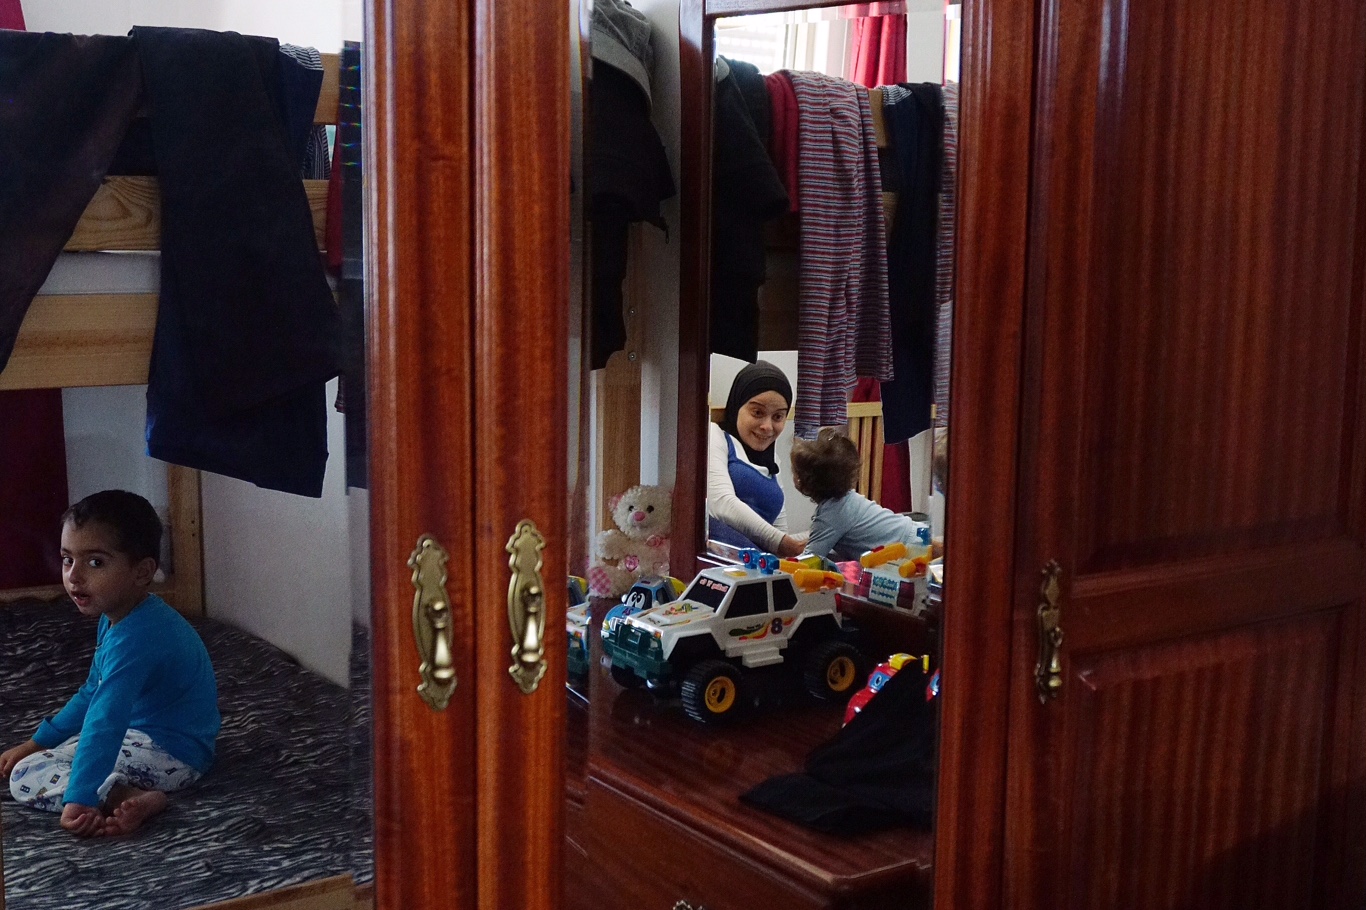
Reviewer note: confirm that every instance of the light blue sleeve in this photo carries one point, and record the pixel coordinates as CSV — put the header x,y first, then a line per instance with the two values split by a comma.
x,y
825,533
125,671
66,723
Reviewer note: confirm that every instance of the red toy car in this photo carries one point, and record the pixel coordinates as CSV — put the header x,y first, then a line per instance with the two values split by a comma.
x,y
878,678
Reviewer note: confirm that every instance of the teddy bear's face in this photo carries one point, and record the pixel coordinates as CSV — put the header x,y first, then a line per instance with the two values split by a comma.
x,y
642,512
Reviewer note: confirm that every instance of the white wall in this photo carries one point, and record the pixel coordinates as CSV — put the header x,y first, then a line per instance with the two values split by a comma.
x,y
316,23
285,568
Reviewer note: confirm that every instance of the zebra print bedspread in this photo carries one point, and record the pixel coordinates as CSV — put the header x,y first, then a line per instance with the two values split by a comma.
x,y
287,800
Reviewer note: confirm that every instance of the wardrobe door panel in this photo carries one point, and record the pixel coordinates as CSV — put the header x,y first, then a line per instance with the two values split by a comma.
x,y
468,244
1193,460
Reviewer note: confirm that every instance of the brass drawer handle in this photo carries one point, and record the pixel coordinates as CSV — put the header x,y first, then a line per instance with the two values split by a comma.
x,y
526,606
1048,671
432,622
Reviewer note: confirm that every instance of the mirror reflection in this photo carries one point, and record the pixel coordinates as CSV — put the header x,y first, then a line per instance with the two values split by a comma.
x,y
184,665
770,702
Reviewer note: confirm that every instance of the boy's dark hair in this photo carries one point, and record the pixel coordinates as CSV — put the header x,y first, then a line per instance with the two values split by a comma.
x,y
826,467
136,527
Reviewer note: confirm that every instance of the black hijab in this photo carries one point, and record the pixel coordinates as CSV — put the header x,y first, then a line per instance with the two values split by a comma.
x,y
755,379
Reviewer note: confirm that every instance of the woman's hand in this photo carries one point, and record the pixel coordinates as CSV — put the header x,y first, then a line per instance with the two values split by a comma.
x,y
790,547
11,757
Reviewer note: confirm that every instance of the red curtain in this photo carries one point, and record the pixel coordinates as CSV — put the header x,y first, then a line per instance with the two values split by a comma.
x,y
32,463
879,50
11,15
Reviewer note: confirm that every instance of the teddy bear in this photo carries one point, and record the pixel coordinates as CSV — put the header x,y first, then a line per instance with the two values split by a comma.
x,y
639,546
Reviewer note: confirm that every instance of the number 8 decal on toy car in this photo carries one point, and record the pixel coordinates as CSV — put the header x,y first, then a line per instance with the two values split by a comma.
x,y
777,625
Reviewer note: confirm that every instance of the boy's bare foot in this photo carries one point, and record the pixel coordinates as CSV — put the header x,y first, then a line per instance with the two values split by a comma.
x,y
133,810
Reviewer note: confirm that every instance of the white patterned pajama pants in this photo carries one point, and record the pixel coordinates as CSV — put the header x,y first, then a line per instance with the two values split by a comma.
x,y
39,781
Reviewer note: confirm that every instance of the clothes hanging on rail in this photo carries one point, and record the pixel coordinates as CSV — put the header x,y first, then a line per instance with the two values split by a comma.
x,y
782,143
247,332
914,115
843,318
69,100
350,235
946,258
626,169
628,177
747,192
33,481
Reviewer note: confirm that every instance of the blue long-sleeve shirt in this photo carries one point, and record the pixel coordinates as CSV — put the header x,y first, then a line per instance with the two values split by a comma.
x,y
847,526
152,673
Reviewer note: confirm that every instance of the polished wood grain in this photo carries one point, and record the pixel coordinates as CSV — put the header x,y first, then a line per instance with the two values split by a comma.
x,y
1175,738
125,215
696,50
418,136
1192,457
519,422
656,777
996,96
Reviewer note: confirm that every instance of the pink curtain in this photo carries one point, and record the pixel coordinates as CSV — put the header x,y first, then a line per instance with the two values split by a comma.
x,y
879,48
11,15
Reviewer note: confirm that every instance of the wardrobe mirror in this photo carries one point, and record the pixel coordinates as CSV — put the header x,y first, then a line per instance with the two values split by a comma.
x,y
271,570
720,758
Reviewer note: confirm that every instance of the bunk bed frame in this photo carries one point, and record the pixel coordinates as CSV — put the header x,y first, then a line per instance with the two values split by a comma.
x,y
72,341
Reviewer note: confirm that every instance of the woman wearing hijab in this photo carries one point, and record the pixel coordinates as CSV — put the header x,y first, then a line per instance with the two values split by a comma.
x,y
744,500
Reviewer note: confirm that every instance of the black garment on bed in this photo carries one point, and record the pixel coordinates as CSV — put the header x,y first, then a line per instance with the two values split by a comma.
x,y
65,102
877,772
247,333
915,125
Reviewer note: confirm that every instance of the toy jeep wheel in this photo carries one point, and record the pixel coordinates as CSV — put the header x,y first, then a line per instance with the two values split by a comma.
x,y
711,691
626,677
833,671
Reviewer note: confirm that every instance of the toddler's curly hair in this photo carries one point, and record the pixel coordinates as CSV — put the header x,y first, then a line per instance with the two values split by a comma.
x,y
826,467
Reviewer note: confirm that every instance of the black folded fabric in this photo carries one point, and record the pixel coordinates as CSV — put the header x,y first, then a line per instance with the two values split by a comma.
x,y
876,773
248,332
65,103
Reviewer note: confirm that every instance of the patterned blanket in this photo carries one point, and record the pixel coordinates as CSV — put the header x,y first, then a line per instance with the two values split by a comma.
x,y
287,800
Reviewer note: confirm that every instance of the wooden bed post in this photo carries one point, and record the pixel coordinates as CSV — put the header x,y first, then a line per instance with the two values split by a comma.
x,y
185,581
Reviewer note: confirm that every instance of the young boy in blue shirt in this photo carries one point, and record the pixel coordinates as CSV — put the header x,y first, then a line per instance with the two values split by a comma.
x,y
145,722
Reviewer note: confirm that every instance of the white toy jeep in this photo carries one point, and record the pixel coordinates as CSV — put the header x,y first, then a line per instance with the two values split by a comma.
x,y
733,619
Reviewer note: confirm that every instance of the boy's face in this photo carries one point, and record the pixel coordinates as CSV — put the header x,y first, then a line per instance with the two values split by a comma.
x,y
101,580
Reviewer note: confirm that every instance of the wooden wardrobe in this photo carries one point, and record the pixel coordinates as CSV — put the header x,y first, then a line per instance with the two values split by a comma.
x,y
1158,447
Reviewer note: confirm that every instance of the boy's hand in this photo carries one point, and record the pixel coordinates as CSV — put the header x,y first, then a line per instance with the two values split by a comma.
x,y
82,821
11,757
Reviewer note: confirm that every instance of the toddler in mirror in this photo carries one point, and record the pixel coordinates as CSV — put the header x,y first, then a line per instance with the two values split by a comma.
x,y
146,720
846,524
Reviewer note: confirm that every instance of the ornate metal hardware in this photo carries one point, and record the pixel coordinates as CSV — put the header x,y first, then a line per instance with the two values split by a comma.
x,y
526,606
432,622
1048,671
